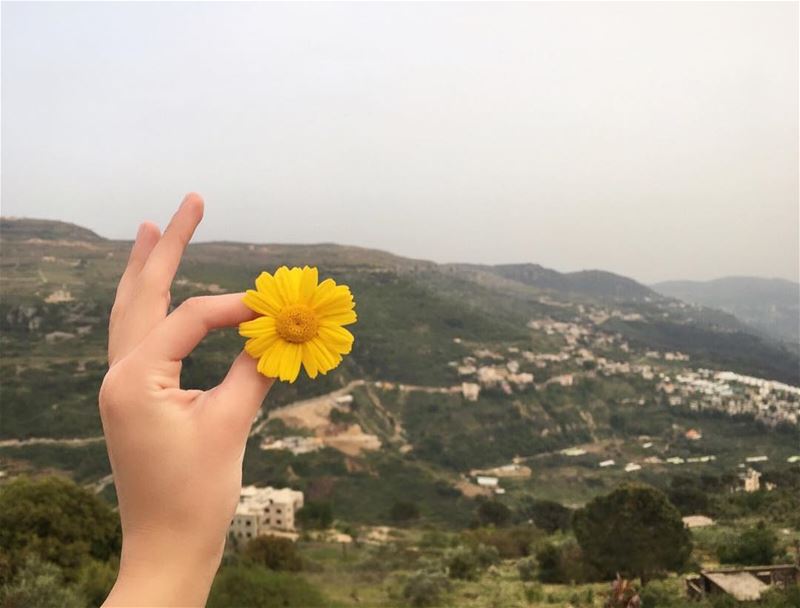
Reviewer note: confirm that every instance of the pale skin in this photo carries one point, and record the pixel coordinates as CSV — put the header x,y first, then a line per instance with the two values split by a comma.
x,y
176,454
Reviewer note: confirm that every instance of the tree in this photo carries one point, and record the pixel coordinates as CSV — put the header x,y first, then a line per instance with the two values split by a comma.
x,y
491,512
317,515
634,531
755,546
274,553
548,515
39,583
256,587
404,510
58,521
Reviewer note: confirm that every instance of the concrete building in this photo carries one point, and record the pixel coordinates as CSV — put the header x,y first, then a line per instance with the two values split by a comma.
x,y
264,510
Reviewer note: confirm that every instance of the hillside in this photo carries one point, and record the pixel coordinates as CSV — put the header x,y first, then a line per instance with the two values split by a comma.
x,y
772,306
455,368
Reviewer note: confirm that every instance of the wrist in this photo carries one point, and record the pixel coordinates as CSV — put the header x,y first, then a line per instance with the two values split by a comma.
x,y
163,569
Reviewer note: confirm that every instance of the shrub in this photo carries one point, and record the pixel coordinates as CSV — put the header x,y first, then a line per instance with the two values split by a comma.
x,y
315,515
755,546
512,542
256,587
491,512
403,511
527,569
425,588
533,593
548,515
58,521
274,553
39,583
565,564
462,563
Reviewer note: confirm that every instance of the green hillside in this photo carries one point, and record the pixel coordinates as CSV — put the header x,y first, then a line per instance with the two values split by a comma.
x,y
583,359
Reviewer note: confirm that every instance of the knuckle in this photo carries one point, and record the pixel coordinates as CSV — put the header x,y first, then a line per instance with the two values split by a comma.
x,y
193,305
109,389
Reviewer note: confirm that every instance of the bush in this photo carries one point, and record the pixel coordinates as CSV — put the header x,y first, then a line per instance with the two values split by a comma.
x,y
256,587
425,588
755,546
565,564
513,542
315,515
39,583
533,593
462,564
403,511
274,553
465,562
548,515
527,569
96,580
658,594
58,521
491,512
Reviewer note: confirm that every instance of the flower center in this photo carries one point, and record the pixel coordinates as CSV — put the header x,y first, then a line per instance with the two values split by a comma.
x,y
296,323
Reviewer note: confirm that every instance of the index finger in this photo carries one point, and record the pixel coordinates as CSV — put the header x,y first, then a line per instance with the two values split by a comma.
x,y
163,262
178,335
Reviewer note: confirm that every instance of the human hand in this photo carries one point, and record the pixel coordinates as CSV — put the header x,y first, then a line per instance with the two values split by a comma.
x,y
176,454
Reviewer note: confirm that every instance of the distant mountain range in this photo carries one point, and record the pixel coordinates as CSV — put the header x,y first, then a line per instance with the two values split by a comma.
x,y
771,306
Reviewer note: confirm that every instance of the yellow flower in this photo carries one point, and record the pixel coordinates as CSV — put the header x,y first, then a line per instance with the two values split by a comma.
x,y
302,322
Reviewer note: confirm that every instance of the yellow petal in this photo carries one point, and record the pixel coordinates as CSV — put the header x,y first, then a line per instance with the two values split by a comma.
x,y
290,362
257,303
257,327
272,365
268,290
338,298
325,359
309,361
341,318
323,289
308,283
337,339
283,281
256,347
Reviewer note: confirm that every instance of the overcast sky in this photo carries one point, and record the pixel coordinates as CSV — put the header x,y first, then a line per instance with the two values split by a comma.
x,y
656,140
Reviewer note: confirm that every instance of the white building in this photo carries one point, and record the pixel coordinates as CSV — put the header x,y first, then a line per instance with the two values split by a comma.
x,y
262,510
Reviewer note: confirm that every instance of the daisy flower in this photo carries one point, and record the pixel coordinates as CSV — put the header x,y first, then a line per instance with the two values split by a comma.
x,y
302,322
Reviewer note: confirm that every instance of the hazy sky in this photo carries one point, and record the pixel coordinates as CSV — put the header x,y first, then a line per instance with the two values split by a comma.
x,y
657,140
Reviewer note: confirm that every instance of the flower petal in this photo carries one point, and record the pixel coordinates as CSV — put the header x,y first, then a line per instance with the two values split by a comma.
x,y
257,303
257,327
272,364
290,362
268,290
309,361
308,283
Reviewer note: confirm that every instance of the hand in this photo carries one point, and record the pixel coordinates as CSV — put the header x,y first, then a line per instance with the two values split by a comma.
x,y
176,454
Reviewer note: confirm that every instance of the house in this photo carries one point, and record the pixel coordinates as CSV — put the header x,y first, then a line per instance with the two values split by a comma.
x,y
470,391
743,584
693,435
751,481
486,481
606,463
697,521
263,511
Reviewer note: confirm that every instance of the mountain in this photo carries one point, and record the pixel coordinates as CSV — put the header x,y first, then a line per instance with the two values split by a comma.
x,y
455,368
770,305
591,283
